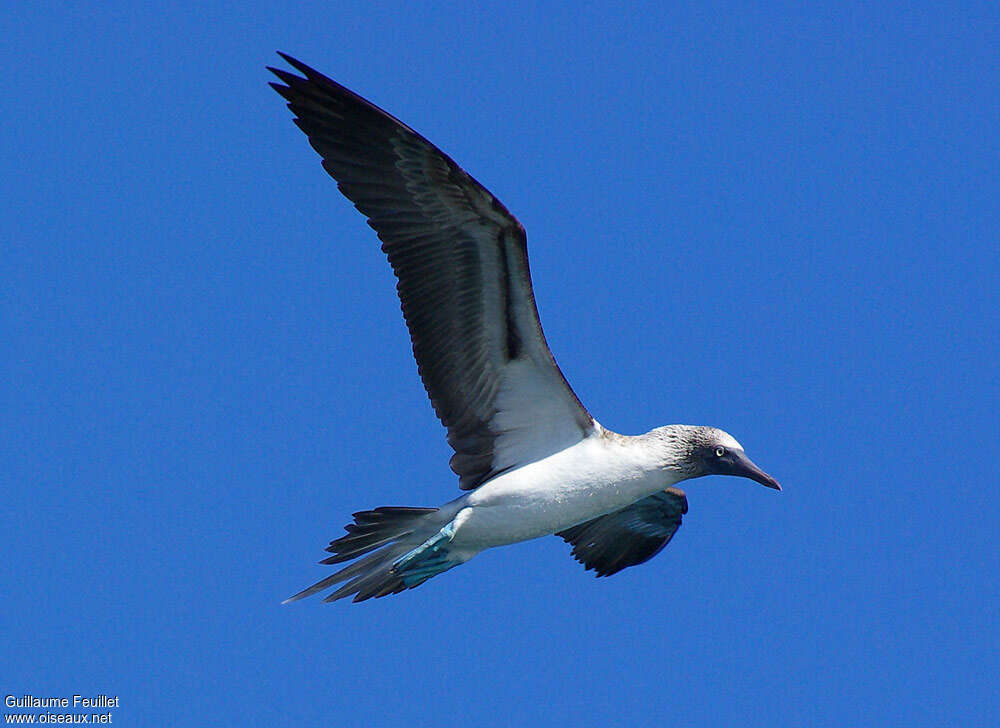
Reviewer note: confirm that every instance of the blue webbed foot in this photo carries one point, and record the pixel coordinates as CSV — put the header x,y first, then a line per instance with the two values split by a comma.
x,y
429,558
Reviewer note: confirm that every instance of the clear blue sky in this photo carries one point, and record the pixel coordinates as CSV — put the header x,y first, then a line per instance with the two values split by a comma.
x,y
782,221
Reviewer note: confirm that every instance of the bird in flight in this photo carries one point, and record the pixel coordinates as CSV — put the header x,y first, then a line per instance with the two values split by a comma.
x,y
531,459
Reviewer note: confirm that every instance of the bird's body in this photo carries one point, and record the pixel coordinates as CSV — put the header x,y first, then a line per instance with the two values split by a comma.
x,y
600,474
532,458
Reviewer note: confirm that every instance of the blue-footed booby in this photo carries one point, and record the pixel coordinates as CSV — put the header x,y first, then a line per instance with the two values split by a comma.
x,y
532,459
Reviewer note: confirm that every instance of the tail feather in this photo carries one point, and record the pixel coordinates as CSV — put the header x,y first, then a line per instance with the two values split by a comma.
x,y
390,532
376,580
373,529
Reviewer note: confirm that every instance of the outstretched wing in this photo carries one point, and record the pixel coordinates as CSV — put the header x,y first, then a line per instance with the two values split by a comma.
x,y
462,267
624,538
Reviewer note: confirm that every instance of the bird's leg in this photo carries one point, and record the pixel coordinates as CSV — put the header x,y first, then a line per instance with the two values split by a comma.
x,y
428,559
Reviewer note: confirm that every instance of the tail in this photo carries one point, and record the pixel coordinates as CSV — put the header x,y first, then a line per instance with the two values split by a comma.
x,y
409,545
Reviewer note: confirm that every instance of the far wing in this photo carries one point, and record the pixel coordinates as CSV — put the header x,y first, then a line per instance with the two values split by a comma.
x,y
610,543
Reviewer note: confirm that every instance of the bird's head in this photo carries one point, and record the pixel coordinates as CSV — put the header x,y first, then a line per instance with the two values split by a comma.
x,y
699,451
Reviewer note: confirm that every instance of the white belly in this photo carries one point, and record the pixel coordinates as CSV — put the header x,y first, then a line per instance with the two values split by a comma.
x,y
589,479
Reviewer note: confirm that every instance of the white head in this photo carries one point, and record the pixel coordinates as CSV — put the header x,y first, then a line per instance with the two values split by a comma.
x,y
696,451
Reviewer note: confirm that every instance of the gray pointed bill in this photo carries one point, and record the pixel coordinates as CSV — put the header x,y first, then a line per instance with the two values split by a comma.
x,y
744,467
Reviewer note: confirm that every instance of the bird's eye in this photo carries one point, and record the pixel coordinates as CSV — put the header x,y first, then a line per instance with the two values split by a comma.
x,y
720,451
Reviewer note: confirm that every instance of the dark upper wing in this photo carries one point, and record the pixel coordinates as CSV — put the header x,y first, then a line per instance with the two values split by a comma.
x,y
630,536
462,265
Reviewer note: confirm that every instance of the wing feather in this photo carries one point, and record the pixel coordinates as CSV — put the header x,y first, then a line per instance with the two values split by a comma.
x,y
461,262
612,542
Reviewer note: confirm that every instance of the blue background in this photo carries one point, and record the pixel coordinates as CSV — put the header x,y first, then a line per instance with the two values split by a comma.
x,y
781,221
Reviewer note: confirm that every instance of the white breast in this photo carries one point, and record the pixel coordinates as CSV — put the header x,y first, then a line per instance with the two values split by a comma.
x,y
593,477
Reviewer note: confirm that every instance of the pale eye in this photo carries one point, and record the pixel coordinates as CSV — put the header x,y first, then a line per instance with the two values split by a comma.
x,y
720,451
